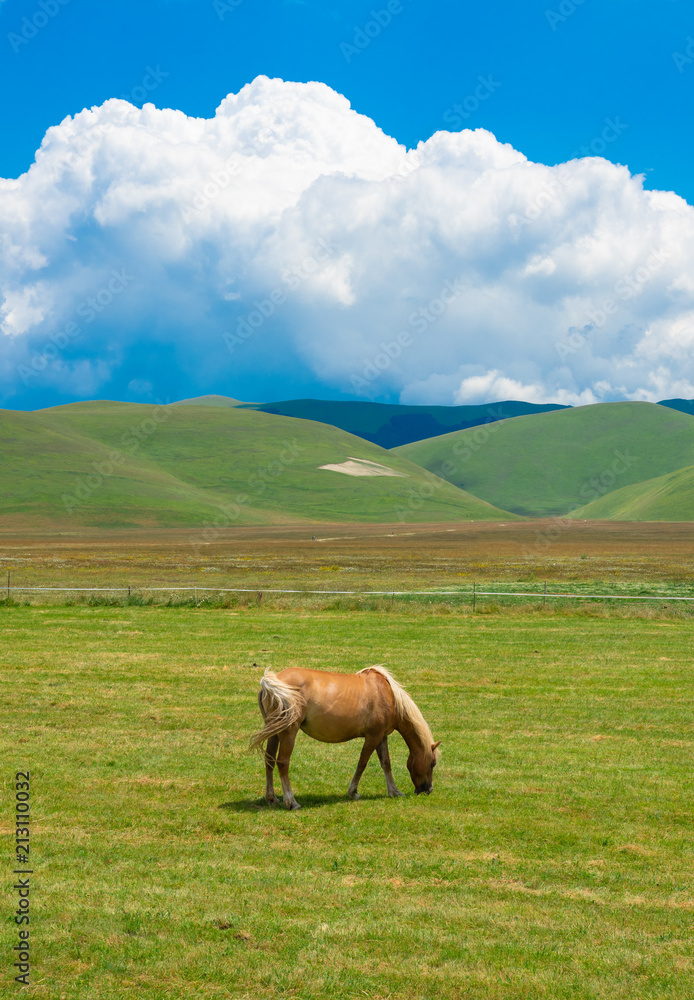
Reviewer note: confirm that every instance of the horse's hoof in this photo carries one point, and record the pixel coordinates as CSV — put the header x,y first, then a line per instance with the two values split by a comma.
x,y
354,796
293,806
396,794
274,801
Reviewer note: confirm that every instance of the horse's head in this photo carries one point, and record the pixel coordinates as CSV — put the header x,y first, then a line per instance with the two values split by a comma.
x,y
421,764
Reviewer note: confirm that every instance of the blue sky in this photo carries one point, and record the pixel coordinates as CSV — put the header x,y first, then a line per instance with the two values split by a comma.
x,y
559,79
555,80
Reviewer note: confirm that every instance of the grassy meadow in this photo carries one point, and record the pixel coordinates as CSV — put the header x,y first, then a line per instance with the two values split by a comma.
x,y
553,859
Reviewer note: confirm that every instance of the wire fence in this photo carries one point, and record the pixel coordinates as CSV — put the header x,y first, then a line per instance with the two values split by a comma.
x,y
471,595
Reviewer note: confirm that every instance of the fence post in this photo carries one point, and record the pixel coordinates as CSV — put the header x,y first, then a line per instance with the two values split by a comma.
x,y
8,585
544,597
474,595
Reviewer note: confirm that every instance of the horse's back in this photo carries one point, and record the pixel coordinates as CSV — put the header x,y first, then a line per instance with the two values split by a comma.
x,y
340,706
303,676
321,684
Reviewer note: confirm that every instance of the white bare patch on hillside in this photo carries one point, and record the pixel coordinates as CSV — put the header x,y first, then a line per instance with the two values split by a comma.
x,y
362,467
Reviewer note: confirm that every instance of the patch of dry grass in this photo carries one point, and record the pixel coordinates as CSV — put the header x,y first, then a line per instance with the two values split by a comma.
x,y
362,557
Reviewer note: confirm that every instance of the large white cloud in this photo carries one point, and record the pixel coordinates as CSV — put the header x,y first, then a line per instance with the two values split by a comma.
x,y
289,234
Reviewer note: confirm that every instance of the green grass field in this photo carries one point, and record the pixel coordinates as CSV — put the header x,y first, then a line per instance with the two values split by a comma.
x,y
546,463
553,860
118,465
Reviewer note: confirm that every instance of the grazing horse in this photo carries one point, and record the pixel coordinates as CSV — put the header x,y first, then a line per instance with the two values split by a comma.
x,y
334,708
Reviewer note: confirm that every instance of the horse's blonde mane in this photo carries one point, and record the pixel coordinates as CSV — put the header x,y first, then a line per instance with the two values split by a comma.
x,y
405,708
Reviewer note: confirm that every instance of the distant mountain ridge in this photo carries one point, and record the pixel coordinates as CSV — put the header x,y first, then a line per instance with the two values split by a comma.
x,y
683,405
390,425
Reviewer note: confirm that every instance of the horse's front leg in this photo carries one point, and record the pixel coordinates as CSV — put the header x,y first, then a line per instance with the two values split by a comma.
x,y
370,744
287,739
270,759
384,757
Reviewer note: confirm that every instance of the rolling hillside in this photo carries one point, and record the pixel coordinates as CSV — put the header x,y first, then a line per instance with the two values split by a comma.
x,y
665,498
544,464
211,400
119,464
390,424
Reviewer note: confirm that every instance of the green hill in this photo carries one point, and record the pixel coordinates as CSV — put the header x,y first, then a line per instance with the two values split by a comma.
x,y
548,463
211,400
120,464
391,424
665,498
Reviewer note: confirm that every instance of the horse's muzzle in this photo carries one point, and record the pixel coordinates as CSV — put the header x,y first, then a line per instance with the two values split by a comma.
x,y
424,790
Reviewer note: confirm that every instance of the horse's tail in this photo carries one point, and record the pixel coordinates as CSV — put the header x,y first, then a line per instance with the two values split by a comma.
x,y
281,706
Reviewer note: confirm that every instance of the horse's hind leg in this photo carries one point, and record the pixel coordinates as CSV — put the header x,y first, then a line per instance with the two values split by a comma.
x,y
270,760
286,740
384,757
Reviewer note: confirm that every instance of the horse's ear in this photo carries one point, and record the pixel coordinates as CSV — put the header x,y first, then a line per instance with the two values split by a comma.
x,y
435,745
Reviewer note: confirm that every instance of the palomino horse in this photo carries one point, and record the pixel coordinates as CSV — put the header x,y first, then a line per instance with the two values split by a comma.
x,y
334,708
